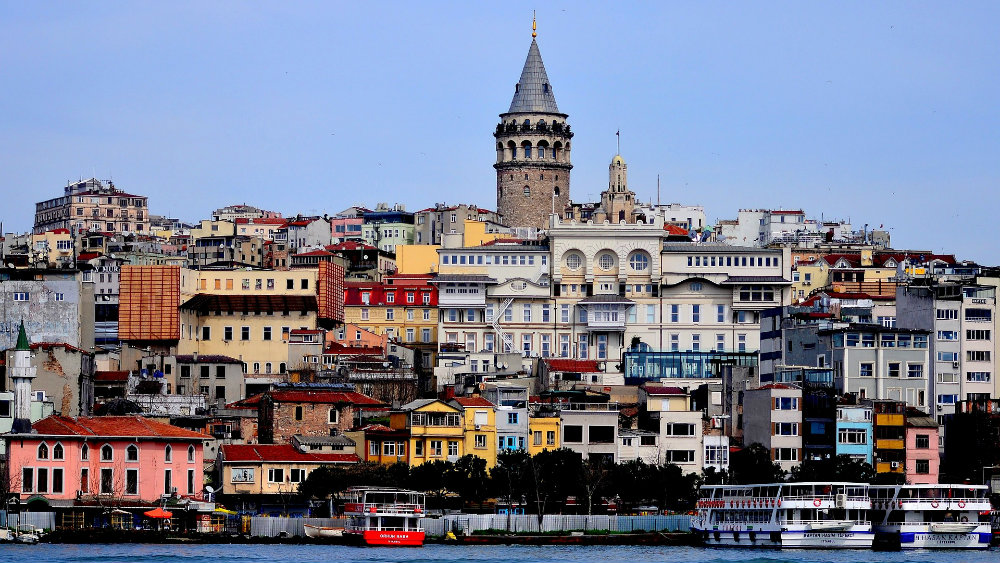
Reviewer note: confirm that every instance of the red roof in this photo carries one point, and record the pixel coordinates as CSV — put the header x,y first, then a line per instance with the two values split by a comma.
x,y
337,349
49,345
85,256
675,230
112,426
300,223
315,253
350,245
323,396
280,452
473,402
111,376
787,212
582,366
776,386
662,390
261,221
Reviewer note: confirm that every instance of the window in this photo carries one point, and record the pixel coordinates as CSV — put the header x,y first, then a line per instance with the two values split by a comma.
x,y
276,475
267,333
564,313
947,399
27,480
43,451
786,428
245,333
947,314
679,429
977,335
168,453
526,313
923,466
512,418
107,481
695,342
977,355
21,296
574,261
546,313
206,333
675,313
131,481
977,376
756,293
893,369
573,434
866,369
638,261
107,452
923,441
436,448
978,315
453,447
191,454
786,403
856,436
602,434
132,453
298,413
680,456
390,314
785,454
947,356
949,334
720,313
550,438
57,480
57,451
696,313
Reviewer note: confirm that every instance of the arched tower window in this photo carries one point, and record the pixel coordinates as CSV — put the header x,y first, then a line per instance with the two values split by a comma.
x,y
526,149
556,191
527,191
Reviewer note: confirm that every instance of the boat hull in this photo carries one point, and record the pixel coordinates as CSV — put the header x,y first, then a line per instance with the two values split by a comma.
x,y
806,539
927,539
391,538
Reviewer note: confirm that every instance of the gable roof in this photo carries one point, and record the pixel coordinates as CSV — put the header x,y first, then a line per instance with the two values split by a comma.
x,y
581,366
112,427
279,453
321,396
472,402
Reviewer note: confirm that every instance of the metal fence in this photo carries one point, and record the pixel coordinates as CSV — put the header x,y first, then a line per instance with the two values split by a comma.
x,y
265,526
24,520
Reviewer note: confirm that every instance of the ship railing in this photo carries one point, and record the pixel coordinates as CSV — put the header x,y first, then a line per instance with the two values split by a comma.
x,y
824,498
381,508
957,521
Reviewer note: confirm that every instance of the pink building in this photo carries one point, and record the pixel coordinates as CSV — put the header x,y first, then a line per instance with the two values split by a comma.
x,y
922,457
131,459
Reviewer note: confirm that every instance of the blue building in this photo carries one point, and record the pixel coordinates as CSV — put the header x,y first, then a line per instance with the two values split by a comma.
x,y
854,432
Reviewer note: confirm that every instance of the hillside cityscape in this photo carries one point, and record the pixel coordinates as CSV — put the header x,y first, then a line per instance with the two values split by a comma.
x,y
263,362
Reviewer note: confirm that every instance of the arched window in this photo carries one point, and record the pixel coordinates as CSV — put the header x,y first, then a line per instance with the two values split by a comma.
x,y
107,452
43,451
527,191
574,261
556,191
606,261
85,452
57,451
639,261
191,454
168,453
281,367
132,453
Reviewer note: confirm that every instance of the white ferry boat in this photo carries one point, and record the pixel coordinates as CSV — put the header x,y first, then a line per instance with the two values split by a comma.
x,y
931,516
384,516
810,515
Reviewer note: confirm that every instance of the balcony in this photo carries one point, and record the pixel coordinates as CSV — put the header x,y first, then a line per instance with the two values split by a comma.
x,y
889,444
606,313
889,420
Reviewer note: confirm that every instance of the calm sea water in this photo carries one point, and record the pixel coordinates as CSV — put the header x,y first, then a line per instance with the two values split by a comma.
x,y
131,553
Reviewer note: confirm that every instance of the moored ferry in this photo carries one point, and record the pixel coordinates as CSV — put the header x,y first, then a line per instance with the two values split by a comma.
x,y
809,515
937,516
384,516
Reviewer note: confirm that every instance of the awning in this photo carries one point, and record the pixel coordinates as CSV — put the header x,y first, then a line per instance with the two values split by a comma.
x,y
221,510
158,513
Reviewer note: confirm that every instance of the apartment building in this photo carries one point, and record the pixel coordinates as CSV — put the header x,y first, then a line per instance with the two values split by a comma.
x,y
774,420
402,307
90,205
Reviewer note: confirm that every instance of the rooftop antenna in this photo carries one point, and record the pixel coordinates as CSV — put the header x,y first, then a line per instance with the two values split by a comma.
x,y
534,26
658,192
618,135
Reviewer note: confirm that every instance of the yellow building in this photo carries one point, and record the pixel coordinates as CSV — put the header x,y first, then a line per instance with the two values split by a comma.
x,y
249,282
417,258
52,248
402,307
426,429
543,432
480,428
271,469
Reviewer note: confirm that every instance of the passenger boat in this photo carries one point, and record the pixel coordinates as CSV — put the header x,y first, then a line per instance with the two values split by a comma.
x,y
938,516
810,515
384,516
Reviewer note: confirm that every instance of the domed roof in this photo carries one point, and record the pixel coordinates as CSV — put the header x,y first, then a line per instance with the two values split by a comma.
x,y
618,160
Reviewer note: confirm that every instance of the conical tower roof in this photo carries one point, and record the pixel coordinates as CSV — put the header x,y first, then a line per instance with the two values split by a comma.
x,y
22,338
533,93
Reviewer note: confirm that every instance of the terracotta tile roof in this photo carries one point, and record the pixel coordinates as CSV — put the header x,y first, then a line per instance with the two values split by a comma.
x,y
472,402
320,396
675,230
112,426
337,349
278,453
315,253
108,376
377,428
776,386
50,345
581,366
350,245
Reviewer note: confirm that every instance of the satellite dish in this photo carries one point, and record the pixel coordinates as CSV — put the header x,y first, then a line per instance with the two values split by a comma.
x,y
209,489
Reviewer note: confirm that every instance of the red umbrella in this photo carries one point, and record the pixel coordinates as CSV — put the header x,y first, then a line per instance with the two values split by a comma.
x,y
159,513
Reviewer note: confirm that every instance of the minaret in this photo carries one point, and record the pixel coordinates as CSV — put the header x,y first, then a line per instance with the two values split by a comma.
x,y
21,374
533,149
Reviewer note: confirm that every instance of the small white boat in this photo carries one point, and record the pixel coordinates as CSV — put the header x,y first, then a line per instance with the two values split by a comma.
x,y
953,527
323,531
30,536
831,525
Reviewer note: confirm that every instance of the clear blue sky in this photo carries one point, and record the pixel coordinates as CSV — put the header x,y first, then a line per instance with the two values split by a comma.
x,y
884,112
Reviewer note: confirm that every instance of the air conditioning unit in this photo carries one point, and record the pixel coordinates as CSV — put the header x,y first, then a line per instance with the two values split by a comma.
x,y
955,364
841,500
478,427
895,465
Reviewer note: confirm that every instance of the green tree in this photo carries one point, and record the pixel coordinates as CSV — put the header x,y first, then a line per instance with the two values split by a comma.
x,y
753,464
594,476
468,477
837,468
431,477
547,480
